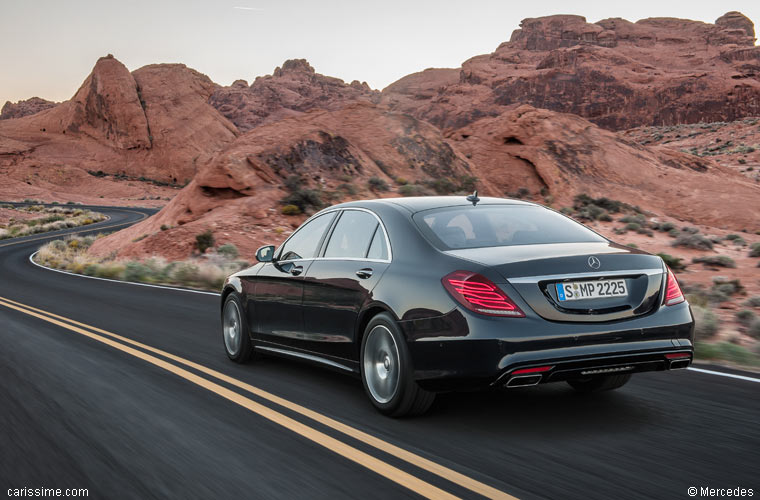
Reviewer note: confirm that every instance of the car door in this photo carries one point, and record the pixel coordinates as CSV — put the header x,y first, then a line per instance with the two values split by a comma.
x,y
340,282
277,290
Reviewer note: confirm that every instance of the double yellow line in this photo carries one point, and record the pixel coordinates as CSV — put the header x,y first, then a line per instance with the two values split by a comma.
x,y
337,446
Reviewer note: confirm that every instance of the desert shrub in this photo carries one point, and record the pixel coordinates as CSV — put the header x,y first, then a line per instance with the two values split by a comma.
x,y
674,233
753,301
290,210
754,329
467,183
229,251
675,263
745,317
377,184
613,206
635,219
715,260
414,190
443,186
401,181
632,226
302,197
706,322
164,227
348,188
204,241
136,271
754,250
632,245
725,351
690,230
646,231
692,240
665,226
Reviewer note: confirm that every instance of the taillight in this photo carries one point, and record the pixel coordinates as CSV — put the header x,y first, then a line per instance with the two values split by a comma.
x,y
673,293
477,293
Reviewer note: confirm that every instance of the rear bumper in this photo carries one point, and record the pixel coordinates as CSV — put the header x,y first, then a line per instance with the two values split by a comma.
x,y
480,353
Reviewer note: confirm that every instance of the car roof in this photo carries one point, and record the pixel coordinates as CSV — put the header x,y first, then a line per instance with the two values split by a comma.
x,y
419,203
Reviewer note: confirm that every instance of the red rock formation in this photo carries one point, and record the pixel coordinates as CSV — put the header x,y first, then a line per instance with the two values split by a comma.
x,y
335,153
617,74
155,124
289,91
25,108
565,155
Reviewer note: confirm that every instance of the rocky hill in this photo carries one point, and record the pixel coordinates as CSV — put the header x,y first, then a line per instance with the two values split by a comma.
x,y
25,108
615,73
291,90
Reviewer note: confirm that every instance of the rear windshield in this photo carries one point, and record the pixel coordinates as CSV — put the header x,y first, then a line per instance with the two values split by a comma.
x,y
499,225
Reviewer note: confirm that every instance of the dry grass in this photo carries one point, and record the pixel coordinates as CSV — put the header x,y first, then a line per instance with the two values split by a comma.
x,y
52,219
205,273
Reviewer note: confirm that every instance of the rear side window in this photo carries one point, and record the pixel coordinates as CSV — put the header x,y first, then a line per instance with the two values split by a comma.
x,y
499,225
378,249
352,234
305,242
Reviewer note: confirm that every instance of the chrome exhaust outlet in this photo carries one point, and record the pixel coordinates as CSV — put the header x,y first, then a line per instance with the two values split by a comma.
x,y
524,380
679,364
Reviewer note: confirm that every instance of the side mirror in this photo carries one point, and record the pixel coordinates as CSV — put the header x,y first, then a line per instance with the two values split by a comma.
x,y
265,253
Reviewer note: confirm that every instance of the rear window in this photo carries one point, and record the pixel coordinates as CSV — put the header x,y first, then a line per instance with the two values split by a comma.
x,y
499,225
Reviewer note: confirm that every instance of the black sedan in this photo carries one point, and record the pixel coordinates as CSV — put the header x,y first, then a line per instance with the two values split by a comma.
x,y
432,294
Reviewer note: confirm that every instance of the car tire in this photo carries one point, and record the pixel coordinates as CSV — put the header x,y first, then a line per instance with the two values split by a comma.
x,y
387,372
235,336
603,383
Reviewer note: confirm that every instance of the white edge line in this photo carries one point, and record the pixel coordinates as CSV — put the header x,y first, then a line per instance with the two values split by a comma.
x,y
723,374
31,259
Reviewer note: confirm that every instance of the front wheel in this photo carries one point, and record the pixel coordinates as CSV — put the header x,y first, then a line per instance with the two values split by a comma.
x,y
601,383
387,372
237,343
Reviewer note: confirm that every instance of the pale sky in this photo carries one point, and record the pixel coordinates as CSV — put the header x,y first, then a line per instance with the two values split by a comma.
x,y
48,47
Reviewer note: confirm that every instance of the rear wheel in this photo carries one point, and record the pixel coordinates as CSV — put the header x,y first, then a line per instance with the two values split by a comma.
x,y
387,372
601,383
237,343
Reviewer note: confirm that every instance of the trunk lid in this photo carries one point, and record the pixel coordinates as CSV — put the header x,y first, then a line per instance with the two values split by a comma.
x,y
535,270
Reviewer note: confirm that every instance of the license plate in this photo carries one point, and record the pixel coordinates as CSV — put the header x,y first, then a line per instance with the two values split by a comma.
x,y
598,289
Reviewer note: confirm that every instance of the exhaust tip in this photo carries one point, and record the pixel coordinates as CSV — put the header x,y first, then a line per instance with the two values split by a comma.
x,y
679,364
524,381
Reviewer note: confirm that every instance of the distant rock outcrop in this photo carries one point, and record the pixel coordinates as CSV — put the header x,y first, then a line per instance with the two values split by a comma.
x,y
25,108
616,73
291,90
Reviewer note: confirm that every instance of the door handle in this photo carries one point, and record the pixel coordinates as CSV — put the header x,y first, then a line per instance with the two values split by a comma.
x,y
364,273
296,270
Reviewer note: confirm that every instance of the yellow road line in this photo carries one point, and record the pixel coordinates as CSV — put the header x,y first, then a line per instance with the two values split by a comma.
x,y
88,227
405,455
374,464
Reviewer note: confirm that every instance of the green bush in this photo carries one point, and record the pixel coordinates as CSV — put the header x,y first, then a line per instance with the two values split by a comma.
x,y
377,184
745,317
675,263
136,271
715,260
725,351
754,250
632,226
692,240
228,250
635,219
290,210
204,241
414,190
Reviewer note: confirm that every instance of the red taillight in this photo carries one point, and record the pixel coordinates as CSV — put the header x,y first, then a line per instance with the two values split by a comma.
x,y
538,369
673,293
477,293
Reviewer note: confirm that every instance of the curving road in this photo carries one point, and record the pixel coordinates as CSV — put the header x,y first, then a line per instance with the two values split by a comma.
x,y
125,390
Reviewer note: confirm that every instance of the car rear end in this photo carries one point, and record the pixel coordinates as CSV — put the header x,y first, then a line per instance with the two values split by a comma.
x,y
547,311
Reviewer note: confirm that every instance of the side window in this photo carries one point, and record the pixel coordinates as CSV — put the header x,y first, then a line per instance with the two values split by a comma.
x,y
378,249
352,234
304,244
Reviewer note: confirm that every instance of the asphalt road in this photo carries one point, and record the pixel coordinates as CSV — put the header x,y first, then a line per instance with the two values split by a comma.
x,y
158,411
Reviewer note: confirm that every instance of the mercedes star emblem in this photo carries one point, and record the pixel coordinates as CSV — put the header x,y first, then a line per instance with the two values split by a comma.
x,y
593,262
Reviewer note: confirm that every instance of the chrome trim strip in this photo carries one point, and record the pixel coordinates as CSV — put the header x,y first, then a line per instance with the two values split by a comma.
x,y
577,276
309,357
330,210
